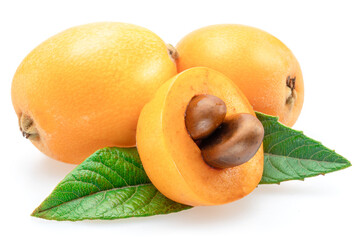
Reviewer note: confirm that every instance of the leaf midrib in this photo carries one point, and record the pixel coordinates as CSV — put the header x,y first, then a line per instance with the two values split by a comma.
x,y
104,191
307,159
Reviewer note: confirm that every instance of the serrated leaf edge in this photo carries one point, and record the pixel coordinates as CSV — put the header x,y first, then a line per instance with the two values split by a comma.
x,y
342,166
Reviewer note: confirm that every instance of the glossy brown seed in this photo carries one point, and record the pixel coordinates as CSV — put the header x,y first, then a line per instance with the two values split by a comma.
x,y
235,142
203,115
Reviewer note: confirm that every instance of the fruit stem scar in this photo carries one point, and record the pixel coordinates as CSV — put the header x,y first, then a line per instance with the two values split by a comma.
x,y
290,83
173,53
27,127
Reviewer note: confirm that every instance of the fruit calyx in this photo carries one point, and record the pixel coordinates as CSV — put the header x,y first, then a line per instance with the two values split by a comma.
x,y
27,127
291,96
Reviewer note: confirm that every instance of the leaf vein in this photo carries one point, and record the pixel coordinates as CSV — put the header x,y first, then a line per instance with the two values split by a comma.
x,y
98,174
309,145
277,168
115,172
285,139
108,190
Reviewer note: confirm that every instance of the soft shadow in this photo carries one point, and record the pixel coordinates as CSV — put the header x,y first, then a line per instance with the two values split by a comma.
x,y
49,169
195,217
309,186
200,218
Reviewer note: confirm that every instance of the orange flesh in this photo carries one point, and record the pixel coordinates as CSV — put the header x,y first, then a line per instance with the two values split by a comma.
x,y
171,158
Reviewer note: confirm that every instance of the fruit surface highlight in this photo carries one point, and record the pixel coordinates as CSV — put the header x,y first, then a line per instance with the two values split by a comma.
x,y
172,159
264,69
83,89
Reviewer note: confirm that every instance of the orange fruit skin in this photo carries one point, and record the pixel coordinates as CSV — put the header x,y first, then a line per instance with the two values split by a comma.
x,y
173,161
256,61
84,87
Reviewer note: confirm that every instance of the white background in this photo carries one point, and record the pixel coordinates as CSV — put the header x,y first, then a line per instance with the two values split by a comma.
x,y
324,36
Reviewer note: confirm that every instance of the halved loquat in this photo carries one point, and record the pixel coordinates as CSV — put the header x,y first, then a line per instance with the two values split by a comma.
x,y
174,161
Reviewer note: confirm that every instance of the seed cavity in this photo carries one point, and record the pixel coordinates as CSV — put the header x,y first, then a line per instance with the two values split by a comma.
x,y
203,115
224,143
234,143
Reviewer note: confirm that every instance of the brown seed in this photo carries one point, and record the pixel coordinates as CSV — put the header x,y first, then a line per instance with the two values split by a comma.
x,y
203,115
235,142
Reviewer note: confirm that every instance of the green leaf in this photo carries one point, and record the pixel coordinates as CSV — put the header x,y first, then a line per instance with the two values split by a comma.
x,y
110,184
290,155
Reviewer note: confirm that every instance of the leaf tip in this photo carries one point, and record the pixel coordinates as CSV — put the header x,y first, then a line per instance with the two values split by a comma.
x,y
34,213
348,164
